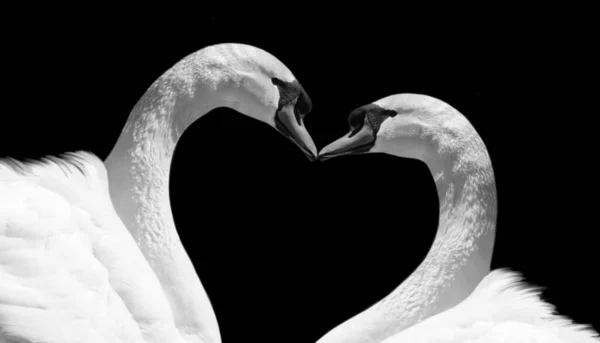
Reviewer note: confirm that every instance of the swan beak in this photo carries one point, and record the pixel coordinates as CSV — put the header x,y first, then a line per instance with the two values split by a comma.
x,y
359,143
293,128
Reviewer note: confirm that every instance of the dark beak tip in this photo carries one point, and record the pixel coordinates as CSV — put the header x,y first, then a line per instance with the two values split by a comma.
x,y
324,157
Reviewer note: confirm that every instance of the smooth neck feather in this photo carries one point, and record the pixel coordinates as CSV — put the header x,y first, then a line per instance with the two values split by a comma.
x,y
461,253
138,170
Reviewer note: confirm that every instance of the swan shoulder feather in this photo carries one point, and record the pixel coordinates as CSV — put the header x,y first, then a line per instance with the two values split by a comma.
x,y
69,269
503,308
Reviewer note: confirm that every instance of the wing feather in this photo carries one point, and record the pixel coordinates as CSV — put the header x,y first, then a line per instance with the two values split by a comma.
x,y
69,269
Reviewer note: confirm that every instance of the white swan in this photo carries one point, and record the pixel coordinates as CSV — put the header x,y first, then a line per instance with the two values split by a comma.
x,y
451,296
89,251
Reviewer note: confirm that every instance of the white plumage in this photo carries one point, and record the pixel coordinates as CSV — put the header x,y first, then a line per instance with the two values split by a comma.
x,y
452,296
69,269
89,251
501,309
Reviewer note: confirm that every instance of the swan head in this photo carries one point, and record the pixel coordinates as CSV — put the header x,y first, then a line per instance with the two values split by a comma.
x,y
398,125
248,80
293,104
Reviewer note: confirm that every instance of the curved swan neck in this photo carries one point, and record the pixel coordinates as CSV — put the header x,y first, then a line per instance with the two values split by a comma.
x,y
461,253
138,171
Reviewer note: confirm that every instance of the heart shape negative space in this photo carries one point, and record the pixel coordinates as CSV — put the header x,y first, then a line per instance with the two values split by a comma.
x,y
339,247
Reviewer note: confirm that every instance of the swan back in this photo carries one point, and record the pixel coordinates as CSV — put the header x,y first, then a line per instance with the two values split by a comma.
x,y
69,269
501,309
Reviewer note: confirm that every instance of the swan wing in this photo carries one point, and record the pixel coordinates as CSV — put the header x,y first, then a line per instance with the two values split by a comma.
x,y
500,309
69,269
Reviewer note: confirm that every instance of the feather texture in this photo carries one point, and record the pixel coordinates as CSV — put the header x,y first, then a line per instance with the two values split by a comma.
x,y
69,270
452,296
502,308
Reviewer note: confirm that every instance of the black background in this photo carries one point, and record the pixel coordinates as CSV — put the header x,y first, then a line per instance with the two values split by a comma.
x,y
290,249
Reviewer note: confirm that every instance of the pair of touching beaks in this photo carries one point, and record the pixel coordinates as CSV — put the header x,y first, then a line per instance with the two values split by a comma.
x,y
355,142
289,122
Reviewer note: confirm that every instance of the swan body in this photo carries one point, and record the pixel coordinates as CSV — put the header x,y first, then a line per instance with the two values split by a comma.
x,y
452,296
89,250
